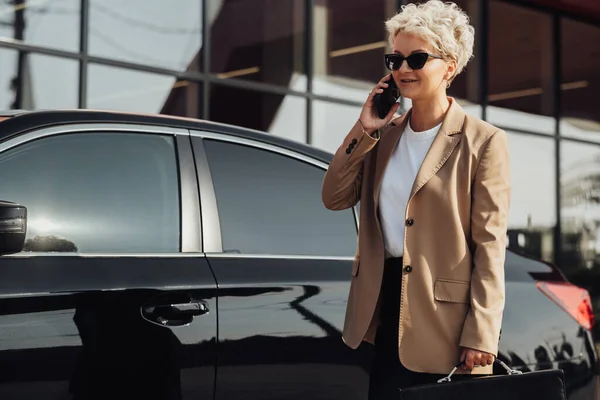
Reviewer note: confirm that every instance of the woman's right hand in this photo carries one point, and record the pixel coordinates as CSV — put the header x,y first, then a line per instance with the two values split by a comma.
x,y
369,116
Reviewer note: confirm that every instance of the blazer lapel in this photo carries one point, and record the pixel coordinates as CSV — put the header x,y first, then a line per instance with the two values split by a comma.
x,y
443,145
386,146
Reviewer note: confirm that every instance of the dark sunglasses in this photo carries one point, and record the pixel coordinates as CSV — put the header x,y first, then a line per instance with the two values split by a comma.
x,y
415,61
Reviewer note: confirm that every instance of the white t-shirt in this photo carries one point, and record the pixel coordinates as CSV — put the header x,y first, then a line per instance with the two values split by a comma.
x,y
397,183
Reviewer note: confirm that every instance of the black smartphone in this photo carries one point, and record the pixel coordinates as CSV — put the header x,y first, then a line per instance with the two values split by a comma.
x,y
384,101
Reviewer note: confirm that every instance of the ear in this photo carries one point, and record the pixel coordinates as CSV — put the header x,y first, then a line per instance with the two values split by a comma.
x,y
451,71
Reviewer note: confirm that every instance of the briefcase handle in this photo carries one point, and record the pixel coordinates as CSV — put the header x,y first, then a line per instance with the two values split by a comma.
x,y
509,371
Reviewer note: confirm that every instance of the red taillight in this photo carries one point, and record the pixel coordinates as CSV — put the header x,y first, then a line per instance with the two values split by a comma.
x,y
574,300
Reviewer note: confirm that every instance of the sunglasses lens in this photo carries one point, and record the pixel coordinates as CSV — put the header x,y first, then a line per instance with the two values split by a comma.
x,y
414,61
393,61
417,60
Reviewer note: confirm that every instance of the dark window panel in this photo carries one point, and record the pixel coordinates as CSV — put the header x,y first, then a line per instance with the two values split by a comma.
x,y
580,80
282,115
520,68
259,40
349,42
271,204
96,192
581,8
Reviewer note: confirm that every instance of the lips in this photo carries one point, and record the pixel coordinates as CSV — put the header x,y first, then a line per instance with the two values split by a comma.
x,y
406,81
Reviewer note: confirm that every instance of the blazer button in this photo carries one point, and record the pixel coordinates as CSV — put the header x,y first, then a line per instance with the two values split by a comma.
x,y
348,150
408,269
354,141
410,222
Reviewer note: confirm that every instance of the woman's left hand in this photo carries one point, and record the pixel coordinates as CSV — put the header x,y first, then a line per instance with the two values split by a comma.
x,y
473,358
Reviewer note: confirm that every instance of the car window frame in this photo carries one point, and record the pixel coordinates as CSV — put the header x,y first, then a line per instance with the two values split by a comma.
x,y
190,232
212,233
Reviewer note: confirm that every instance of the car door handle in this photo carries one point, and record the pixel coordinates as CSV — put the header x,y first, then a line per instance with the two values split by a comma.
x,y
174,314
192,308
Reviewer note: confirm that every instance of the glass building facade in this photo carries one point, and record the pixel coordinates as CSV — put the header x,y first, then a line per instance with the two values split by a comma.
x,y
302,69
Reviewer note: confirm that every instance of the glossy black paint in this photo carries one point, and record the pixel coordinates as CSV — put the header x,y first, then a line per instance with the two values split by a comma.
x,y
538,335
279,330
280,323
73,326
87,324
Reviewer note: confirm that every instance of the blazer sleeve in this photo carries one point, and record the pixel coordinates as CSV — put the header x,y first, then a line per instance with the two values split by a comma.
x,y
343,179
489,223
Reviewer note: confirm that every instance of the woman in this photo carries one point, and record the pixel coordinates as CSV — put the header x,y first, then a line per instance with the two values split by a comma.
x,y
434,192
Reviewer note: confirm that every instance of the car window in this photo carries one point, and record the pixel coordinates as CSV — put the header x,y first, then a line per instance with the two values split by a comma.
x,y
271,204
96,192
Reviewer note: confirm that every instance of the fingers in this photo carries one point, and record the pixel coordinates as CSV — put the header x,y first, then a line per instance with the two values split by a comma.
x,y
380,85
377,89
384,79
474,358
486,359
470,360
373,93
392,111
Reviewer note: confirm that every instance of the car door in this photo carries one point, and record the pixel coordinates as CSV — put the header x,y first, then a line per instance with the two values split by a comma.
x,y
283,266
112,296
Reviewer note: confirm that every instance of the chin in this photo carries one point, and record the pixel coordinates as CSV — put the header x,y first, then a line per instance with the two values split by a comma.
x,y
410,94
417,95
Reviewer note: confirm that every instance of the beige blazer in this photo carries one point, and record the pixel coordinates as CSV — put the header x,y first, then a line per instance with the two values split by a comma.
x,y
454,243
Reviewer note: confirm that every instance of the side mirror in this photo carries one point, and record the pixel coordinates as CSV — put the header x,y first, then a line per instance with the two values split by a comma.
x,y
13,227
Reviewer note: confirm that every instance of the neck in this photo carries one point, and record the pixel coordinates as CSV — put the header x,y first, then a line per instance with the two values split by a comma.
x,y
426,114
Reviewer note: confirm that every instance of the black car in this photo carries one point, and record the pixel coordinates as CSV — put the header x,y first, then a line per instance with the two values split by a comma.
x,y
169,258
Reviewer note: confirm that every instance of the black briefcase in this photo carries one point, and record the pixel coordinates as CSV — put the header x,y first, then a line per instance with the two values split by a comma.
x,y
515,385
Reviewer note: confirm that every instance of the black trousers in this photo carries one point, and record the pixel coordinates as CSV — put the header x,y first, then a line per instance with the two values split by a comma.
x,y
387,373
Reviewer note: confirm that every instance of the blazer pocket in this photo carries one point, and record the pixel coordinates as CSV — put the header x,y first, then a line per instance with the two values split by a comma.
x,y
355,266
452,291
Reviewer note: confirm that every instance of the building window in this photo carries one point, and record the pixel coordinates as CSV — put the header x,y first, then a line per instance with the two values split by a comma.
x,y
121,89
532,217
165,34
580,82
520,68
281,115
349,42
331,122
259,40
37,81
52,24
580,205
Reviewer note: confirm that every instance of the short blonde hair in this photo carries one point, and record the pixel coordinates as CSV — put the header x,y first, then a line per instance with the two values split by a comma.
x,y
444,25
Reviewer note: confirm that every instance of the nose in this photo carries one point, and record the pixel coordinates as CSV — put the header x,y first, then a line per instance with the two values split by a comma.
x,y
404,67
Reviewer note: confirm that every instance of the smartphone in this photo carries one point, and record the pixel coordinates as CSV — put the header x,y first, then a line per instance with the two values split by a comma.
x,y
384,101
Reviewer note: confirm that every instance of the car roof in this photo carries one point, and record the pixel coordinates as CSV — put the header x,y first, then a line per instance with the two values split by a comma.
x,y
17,122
